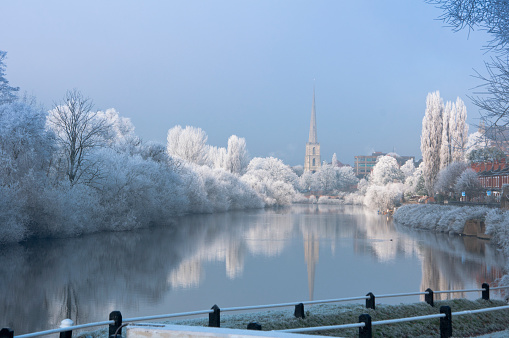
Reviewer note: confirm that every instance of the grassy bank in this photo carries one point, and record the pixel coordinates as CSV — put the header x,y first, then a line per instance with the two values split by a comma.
x,y
336,314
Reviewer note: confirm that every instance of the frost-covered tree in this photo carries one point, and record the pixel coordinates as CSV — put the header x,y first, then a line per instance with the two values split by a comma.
x,y
469,183
271,179
486,154
189,144
298,169
445,146
237,158
79,130
447,177
414,184
384,197
335,161
25,145
7,93
386,170
477,140
458,131
120,134
217,157
431,139
408,168
491,16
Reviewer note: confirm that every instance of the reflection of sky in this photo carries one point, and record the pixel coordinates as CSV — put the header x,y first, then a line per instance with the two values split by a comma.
x,y
235,259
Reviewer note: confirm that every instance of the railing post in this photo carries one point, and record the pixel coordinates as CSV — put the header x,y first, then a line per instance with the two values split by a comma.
x,y
66,323
428,298
6,333
117,317
215,317
366,331
370,302
254,326
299,311
486,291
446,322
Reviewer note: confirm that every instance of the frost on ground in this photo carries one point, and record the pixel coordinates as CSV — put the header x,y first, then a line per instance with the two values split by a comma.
x,y
440,218
334,314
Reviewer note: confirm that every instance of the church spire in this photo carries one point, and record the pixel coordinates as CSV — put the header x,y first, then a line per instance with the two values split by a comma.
x,y
312,125
312,160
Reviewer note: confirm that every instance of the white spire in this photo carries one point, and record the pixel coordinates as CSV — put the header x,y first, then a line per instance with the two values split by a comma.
x,y
312,126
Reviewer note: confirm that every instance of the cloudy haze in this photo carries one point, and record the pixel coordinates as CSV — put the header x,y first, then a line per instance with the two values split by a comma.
x,y
247,67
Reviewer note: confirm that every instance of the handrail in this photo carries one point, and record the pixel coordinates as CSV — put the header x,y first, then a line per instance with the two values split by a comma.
x,y
323,328
64,329
403,294
392,321
172,315
484,289
453,291
310,302
407,319
467,312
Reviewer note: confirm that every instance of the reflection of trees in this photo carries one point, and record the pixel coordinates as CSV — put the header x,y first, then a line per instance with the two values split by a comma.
x,y
457,262
86,278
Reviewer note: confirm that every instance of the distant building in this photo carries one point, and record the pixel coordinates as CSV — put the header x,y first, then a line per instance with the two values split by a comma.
x,y
363,165
312,161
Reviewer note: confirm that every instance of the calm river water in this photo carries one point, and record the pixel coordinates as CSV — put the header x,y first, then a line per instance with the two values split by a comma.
x,y
230,259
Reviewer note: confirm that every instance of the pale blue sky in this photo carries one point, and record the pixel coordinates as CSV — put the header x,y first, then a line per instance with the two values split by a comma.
x,y
247,67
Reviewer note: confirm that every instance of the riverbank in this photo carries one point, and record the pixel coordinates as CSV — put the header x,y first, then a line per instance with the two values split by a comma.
x,y
337,314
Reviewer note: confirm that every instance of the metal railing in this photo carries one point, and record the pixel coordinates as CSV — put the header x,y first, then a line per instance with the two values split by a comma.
x,y
365,324
115,321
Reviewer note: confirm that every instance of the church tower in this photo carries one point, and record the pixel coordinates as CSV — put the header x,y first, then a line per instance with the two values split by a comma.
x,y
312,161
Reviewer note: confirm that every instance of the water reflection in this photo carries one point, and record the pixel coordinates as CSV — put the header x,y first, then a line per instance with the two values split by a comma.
x,y
235,258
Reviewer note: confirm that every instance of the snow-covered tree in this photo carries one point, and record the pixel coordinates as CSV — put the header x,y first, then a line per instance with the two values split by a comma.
x,y
7,93
384,197
237,156
271,179
386,170
446,146
431,139
79,131
25,145
459,131
120,134
189,144
447,177
335,161
486,154
469,183
217,157
414,184
408,168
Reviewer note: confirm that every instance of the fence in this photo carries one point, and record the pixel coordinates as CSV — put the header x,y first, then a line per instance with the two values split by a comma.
x,y
116,323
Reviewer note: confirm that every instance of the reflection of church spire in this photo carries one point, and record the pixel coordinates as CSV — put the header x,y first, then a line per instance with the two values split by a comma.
x,y
311,252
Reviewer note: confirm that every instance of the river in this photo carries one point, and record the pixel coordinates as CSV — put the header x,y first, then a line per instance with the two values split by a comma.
x,y
238,258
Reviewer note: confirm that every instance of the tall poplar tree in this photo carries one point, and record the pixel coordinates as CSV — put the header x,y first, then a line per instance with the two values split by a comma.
x,y
445,147
431,139
459,131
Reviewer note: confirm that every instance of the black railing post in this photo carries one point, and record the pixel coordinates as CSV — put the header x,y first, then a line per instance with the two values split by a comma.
x,y
366,331
66,323
370,302
486,291
446,322
115,328
299,311
6,333
254,326
428,298
215,317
